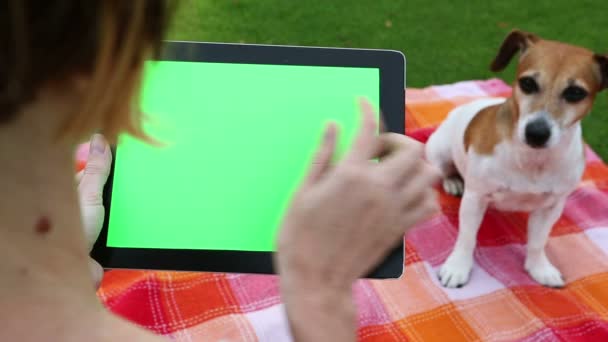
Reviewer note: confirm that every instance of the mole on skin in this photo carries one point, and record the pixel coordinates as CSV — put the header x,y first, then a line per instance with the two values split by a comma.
x,y
43,226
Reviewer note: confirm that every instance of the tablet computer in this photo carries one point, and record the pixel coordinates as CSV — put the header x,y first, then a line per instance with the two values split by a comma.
x,y
238,125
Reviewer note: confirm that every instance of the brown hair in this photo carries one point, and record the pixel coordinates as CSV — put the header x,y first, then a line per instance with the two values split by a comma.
x,y
48,41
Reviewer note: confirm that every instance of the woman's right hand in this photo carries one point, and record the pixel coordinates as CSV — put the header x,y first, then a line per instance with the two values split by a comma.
x,y
345,219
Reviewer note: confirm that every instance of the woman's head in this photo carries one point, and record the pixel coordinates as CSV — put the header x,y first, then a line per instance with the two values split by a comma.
x,y
93,48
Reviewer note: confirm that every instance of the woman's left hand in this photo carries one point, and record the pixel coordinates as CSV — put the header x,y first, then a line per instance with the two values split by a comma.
x,y
91,182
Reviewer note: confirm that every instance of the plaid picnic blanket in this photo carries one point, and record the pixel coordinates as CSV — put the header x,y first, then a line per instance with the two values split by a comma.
x,y
501,302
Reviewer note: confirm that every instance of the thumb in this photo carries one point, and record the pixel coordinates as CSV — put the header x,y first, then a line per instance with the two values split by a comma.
x,y
96,272
95,172
90,189
323,156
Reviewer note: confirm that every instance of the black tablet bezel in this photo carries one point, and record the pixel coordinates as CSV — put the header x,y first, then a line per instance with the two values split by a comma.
x,y
392,104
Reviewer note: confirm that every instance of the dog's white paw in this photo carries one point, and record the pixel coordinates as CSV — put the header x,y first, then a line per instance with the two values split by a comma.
x,y
545,273
453,185
456,271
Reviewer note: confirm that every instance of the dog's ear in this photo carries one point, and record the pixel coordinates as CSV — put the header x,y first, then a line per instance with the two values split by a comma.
x,y
602,61
516,41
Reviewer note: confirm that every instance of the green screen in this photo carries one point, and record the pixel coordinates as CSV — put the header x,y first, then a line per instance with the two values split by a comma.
x,y
237,141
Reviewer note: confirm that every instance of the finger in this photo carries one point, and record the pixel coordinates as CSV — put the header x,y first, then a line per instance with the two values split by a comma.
x,y
435,173
432,176
404,162
96,171
417,211
324,155
96,272
425,207
365,144
92,222
430,206
393,143
418,189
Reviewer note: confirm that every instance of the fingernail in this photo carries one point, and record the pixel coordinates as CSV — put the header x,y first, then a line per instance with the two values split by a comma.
x,y
98,144
330,131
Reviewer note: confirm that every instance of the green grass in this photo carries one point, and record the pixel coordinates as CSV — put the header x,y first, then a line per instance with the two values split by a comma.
x,y
443,41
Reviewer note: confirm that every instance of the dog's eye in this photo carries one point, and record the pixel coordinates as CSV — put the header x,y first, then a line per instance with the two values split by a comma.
x,y
574,94
528,85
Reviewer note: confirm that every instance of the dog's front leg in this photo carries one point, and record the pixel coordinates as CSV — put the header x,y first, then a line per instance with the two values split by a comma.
x,y
537,264
457,268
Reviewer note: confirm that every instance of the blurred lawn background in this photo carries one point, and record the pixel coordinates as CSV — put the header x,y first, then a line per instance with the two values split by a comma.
x,y
444,41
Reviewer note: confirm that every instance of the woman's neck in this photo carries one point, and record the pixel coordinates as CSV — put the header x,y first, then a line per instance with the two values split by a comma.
x,y
43,257
46,289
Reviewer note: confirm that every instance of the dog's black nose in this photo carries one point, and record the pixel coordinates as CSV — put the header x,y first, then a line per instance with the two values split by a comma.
x,y
538,133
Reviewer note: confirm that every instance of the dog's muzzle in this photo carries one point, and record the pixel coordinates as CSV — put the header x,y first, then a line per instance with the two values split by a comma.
x,y
538,133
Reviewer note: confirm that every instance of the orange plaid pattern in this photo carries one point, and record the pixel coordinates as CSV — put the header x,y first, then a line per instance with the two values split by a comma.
x,y
500,303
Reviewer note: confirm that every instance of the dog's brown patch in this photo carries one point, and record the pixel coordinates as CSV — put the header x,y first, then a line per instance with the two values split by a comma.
x,y
489,127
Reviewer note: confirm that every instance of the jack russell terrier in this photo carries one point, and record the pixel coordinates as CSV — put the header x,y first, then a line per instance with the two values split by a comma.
x,y
524,153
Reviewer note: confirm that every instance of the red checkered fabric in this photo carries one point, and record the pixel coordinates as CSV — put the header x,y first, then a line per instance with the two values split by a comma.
x,y
501,302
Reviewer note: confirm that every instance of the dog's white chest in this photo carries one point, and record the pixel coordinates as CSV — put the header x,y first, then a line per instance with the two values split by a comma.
x,y
508,200
512,184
